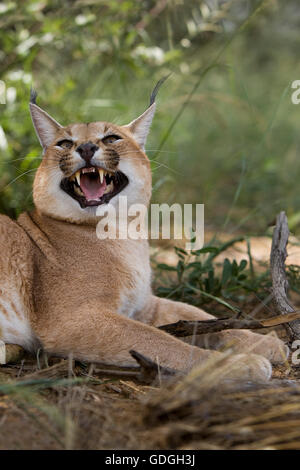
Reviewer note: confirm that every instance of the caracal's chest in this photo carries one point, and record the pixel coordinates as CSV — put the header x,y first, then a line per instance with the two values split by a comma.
x,y
73,267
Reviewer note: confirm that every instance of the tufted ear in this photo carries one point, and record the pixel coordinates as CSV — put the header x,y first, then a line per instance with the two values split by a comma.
x,y
45,126
140,127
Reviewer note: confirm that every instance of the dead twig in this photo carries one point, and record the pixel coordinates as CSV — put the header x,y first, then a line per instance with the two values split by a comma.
x,y
10,353
150,371
189,328
55,371
146,371
279,280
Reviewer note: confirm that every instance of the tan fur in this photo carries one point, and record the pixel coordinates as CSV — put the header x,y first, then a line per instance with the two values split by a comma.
x,y
65,290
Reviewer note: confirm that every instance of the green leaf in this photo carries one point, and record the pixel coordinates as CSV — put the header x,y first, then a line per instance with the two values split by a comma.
x,y
206,249
243,265
166,267
227,272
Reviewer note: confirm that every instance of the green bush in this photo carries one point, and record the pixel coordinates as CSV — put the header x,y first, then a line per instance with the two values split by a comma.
x,y
235,146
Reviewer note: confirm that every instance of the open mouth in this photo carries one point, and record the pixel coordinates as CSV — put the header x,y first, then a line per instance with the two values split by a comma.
x,y
92,186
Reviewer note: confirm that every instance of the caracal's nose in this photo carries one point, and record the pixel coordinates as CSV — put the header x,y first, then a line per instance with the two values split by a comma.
x,y
86,151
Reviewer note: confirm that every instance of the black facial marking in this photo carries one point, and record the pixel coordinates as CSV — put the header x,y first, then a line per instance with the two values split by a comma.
x,y
109,139
65,143
112,157
64,163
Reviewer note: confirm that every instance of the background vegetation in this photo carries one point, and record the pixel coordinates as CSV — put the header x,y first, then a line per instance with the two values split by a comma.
x,y
235,145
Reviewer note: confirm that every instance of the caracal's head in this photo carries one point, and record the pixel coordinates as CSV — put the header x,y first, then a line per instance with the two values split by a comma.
x,y
87,165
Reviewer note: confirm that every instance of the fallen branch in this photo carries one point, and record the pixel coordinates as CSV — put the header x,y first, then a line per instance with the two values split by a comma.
x,y
150,372
146,371
10,353
279,280
189,328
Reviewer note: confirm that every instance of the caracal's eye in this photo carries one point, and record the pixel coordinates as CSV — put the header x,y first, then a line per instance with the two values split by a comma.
x,y
65,144
110,139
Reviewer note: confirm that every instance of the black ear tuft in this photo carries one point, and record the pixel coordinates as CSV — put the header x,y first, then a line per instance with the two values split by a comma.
x,y
33,96
156,88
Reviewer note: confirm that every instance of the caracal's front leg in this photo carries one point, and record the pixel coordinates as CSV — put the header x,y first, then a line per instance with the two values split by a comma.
x,y
16,275
166,311
240,341
96,335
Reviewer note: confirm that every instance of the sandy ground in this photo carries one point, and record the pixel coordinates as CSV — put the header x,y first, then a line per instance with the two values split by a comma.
x,y
260,250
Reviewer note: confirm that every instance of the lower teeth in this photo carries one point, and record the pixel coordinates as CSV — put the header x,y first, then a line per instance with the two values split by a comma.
x,y
109,188
78,191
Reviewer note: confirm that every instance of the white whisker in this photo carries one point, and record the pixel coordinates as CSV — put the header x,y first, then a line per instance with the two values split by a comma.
x,y
23,174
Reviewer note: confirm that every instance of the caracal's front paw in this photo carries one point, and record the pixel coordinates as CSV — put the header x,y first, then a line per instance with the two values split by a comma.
x,y
243,341
241,367
247,367
268,346
272,348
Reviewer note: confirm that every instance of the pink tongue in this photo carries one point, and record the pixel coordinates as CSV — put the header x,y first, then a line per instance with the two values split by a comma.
x,y
91,187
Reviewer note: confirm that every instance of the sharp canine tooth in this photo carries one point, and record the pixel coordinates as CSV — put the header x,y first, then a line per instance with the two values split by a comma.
x,y
77,176
101,174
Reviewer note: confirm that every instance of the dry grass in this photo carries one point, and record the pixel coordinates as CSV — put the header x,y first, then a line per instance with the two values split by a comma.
x,y
200,412
64,407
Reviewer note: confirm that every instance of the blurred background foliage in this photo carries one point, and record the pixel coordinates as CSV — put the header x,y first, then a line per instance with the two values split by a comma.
x,y
235,147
